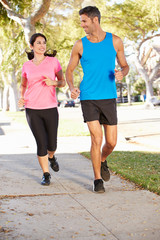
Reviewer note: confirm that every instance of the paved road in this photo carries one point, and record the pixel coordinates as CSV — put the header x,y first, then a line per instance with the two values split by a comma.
x,y
68,209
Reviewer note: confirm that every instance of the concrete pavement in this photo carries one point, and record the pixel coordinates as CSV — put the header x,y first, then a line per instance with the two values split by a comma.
x,y
68,209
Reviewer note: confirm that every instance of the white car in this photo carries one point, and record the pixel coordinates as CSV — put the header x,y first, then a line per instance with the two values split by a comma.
x,y
155,101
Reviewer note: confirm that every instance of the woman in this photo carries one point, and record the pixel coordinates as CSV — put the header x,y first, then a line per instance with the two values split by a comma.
x,y
40,77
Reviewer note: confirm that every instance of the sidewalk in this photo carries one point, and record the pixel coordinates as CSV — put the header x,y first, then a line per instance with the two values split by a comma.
x,y
68,209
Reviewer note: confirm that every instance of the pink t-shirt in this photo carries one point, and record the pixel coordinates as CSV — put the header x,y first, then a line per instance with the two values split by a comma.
x,y
38,95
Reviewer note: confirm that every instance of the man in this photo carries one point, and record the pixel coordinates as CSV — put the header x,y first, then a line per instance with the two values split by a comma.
x,y
97,52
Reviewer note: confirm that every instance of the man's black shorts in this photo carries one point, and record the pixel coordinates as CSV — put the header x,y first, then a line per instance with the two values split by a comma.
x,y
105,111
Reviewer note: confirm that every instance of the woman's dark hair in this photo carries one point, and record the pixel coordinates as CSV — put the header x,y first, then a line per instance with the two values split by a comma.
x,y
91,12
49,52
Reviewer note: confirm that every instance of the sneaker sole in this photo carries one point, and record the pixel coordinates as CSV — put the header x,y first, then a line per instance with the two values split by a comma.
x,y
46,184
100,191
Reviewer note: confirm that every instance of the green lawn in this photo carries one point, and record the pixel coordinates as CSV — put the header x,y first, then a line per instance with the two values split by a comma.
x,y
19,117
142,168
67,127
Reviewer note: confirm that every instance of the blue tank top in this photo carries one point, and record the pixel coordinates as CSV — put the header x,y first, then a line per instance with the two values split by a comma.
x,y
98,63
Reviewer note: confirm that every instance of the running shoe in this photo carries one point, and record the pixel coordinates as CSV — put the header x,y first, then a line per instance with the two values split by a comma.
x,y
46,179
54,164
98,186
105,174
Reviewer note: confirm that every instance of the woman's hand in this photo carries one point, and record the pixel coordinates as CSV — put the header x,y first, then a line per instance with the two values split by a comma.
x,y
50,82
21,102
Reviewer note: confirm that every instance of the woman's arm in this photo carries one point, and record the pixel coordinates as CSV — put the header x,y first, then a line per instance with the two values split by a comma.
x,y
60,82
23,87
60,77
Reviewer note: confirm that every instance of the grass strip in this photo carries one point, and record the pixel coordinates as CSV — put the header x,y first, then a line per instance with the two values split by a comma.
x,y
67,127
142,168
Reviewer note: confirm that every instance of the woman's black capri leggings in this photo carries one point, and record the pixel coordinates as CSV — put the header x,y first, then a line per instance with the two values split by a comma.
x,y
44,126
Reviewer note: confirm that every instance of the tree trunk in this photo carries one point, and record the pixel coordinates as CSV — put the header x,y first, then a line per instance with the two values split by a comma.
x,y
13,93
29,29
1,98
149,90
148,82
5,103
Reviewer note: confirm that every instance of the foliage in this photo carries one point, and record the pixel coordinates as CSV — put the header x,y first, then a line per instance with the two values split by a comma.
x,y
139,86
12,48
22,7
135,20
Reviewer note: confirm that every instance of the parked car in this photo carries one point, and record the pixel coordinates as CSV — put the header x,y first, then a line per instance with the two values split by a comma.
x,y
68,103
155,101
59,103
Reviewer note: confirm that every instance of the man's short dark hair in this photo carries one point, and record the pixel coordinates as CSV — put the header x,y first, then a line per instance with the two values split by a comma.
x,y
91,12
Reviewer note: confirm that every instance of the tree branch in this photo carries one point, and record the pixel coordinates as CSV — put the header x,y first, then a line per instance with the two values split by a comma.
x,y
145,57
154,72
41,12
140,69
132,28
20,19
148,38
12,14
6,4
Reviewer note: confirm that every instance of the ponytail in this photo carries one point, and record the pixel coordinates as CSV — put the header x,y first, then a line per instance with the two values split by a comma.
x,y
49,53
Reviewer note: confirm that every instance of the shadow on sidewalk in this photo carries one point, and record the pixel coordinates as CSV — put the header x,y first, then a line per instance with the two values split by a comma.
x,y
3,124
22,171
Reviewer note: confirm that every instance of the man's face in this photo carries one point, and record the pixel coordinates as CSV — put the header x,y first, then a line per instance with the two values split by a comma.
x,y
87,23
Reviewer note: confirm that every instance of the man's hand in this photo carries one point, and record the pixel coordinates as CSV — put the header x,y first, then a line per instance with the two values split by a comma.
x,y
75,93
118,75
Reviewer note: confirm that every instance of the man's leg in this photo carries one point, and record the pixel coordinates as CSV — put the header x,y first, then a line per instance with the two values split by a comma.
x,y
110,132
96,142
110,142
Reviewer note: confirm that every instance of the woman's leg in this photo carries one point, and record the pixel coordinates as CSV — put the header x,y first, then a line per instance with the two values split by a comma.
x,y
36,123
51,126
43,161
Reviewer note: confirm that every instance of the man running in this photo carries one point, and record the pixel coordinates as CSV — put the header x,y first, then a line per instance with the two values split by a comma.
x,y
97,52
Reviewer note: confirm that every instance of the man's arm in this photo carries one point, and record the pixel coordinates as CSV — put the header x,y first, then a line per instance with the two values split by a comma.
x,y
74,60
118,44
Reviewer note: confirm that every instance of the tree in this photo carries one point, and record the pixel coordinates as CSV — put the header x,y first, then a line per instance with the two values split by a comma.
x,y
139,86
28,23
12,46
44,16
17,13
139,22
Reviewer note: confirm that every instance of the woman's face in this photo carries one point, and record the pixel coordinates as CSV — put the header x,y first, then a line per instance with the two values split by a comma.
x,y
39,46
